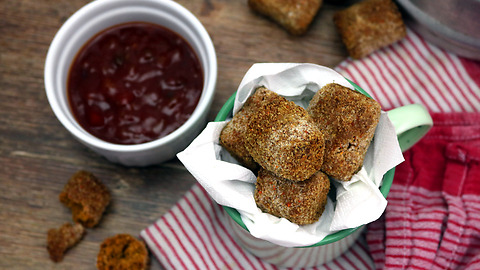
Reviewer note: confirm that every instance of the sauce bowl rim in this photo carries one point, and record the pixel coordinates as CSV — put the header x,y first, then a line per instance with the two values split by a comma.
x,y
209,66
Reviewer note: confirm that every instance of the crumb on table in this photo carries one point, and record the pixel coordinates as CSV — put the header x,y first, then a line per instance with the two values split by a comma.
x,y
369,25
87,197
122,252
59,240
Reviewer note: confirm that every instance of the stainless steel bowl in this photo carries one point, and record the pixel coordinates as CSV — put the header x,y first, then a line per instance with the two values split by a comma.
x,y
451,24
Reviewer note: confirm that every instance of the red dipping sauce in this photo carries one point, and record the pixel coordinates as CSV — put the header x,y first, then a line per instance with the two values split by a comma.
x,y
134,83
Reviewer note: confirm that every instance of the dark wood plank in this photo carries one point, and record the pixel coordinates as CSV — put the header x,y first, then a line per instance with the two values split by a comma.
x,y
37,155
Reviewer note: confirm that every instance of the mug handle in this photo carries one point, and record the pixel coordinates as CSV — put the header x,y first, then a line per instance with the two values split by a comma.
x,y
411,123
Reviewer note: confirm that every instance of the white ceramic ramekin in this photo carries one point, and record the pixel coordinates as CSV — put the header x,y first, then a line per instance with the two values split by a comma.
x,y
101,14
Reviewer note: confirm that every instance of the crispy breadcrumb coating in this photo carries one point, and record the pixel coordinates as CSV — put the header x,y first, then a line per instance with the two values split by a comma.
x,y
294,15
369,25
300,202
232,137
59,240
87,197
283,139
123,252
348,119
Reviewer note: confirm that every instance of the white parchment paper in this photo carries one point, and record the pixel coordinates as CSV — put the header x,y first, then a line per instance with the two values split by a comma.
x,y
358,201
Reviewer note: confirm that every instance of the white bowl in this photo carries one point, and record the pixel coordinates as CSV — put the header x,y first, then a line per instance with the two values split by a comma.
x,y
450,24
99,15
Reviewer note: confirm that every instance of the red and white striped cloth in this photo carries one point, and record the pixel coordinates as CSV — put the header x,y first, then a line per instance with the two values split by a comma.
x,y
429,222
193,235
414,71
432,220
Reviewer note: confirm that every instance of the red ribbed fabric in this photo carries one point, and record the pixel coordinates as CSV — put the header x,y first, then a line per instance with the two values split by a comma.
x,y
432,220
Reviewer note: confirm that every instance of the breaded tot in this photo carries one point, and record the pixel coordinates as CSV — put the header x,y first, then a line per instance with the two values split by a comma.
x,y
233,134
283,139
300,202
87,197
59,240
369,25
123,252
294,15
348,119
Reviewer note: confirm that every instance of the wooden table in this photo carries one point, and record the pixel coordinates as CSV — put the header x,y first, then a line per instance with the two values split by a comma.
x,y
38,155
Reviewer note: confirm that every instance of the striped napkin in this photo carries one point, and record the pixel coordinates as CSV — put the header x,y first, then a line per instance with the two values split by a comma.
x,y
193,234
433,217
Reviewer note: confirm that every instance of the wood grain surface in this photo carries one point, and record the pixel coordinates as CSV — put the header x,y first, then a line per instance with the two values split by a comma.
x,y
38,155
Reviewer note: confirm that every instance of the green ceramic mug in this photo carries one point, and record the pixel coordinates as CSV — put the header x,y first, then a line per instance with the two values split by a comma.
x,y
411,122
